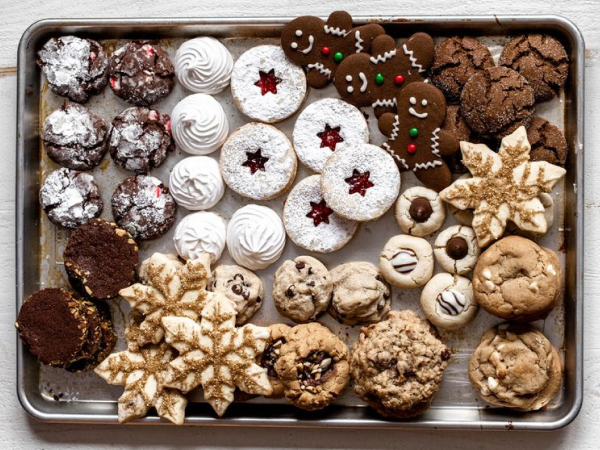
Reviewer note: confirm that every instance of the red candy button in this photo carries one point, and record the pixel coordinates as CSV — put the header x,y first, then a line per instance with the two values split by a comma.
x,y
399,79
326,51
412,148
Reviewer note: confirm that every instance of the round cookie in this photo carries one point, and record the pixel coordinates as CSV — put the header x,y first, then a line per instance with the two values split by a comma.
x,y
198,233
242,287
360,294
547,142
455,61
456,249
100,259
196,183
360,182
541,59
258,161
516,279
203,65
74,137
455,124
420,211
266,86
311,223
515,366
141,73
70,198
200,125
272,353
496,102
140,139
324,126
406,261
447,301
313,366
302,289
397,365
144,207
462,216
75,68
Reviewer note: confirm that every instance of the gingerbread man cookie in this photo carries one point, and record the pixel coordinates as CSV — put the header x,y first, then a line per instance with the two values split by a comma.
x,y
416,140
321,46
375,80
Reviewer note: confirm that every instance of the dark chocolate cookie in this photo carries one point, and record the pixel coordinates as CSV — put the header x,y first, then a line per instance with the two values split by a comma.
x,y
75,68
141,73
100,259
144,207
140,139
70,198
497,101
455,61
456,125
547,142
53,326
74,137
541,59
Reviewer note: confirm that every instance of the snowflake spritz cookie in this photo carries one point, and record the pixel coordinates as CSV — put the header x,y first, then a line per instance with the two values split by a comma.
x,y
258,161
323,126
420,211
447,301
196,183
505,186
456,249
199,233
311,223
266,86
406,261
360,182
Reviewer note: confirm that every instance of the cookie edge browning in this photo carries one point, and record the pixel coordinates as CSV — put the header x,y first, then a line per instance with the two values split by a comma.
x,y
278,331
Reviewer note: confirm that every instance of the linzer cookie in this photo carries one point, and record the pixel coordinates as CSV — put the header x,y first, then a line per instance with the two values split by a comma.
x,y
420,211
376,79
406,261
321,46
447,301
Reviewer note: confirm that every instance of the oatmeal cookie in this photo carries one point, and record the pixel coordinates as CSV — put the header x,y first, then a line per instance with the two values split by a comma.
x,y
279,336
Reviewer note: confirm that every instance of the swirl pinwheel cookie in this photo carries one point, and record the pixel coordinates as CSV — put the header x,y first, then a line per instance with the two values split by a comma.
x,y
505,186
216,354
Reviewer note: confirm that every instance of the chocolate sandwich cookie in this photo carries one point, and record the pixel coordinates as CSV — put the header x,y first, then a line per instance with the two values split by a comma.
x,y
547,142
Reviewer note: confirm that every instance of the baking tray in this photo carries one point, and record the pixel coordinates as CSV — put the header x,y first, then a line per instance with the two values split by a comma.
x,y
39,245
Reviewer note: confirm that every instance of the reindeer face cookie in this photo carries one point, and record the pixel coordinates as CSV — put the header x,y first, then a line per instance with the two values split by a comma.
x,y
416,140
321,46
375,80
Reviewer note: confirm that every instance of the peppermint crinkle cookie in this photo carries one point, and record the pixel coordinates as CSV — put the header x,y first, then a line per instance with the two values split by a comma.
x,y
397,365
420,211
515,366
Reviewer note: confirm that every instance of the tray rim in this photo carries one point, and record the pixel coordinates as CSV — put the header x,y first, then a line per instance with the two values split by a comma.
x,y
566,25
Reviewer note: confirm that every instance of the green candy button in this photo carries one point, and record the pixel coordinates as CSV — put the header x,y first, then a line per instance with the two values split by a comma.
x,y
338,56
414,132
379,78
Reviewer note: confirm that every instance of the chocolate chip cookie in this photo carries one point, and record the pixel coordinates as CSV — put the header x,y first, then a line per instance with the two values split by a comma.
x,y
302,289
547,142
272,353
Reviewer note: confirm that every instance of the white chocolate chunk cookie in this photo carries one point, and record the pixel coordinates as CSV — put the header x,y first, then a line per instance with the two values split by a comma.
x,y
448,302
406,261
420,211
456,249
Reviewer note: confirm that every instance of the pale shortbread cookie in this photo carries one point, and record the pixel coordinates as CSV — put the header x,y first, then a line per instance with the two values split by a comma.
x,y
447,301
420,211
406,261
456,249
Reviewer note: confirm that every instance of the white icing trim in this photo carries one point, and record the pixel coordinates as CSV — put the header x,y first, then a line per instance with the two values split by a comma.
x,y
363,78
348,78
359,41
294,45
386,102
350,89
311,41
413,60
435,139
320,68
383,58
412,111
299,33
427,165
337,31
394,133
387,148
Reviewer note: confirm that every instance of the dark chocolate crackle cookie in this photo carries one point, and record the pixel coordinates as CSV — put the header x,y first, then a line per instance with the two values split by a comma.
x,y
456,125
547,142
497,101
140,139
74,137
75,68
541,59
141,73
100,259
455,61
143,206
70,198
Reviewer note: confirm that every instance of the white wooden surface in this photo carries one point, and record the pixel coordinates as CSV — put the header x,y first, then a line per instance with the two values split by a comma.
x,y
17,430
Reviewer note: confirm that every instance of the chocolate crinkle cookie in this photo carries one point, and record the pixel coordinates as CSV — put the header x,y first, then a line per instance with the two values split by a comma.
x,y
455,124
541,59
141,73
70,198
547,142
140,139
74,137
75,68
515,366
455,61
397,365
143,206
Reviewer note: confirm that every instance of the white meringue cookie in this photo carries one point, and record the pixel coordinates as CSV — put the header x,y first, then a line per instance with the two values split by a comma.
x,y
203,65
255,237
198,233
199,125
196,183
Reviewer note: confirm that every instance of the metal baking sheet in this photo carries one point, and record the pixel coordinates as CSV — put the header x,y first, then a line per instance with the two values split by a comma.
x,y
53,395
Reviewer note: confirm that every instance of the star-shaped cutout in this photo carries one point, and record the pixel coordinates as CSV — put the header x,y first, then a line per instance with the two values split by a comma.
x,y
268,82
359,182
505,186
256,161
319,212
330,137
